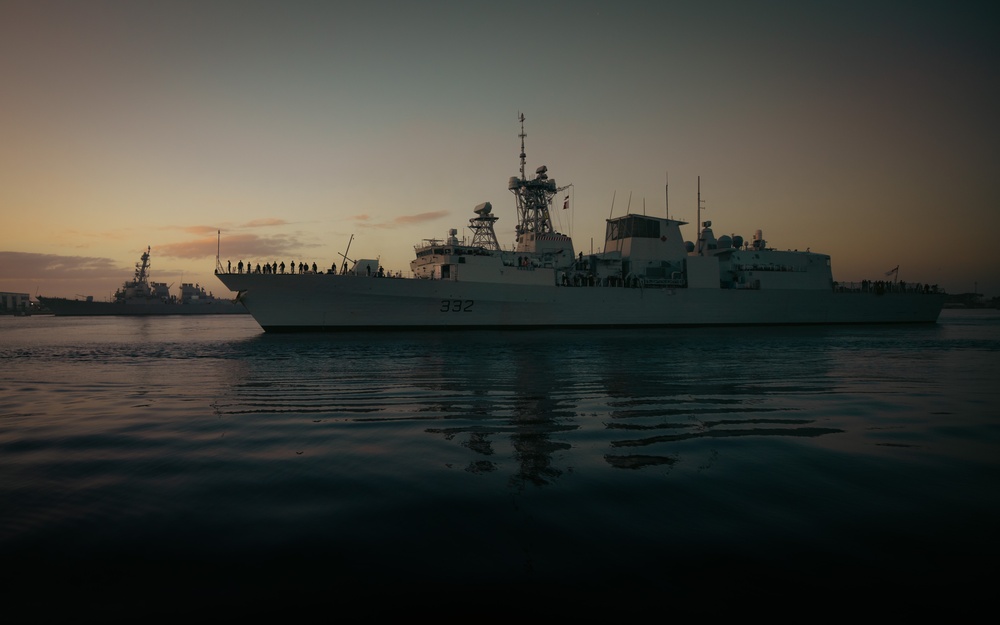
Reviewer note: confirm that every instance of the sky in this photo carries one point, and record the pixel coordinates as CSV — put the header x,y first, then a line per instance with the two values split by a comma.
x,y
864,130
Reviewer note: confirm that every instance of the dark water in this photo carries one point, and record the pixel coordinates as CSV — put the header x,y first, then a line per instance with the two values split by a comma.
x,y
184,460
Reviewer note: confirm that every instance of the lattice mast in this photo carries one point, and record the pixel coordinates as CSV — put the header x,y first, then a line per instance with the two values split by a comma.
x,y
483,234
534,197
142,268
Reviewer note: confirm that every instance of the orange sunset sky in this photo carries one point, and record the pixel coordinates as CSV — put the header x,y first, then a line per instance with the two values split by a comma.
x,y
864,130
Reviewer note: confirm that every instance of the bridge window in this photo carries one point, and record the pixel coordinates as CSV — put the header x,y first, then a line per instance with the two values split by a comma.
x,y
633,226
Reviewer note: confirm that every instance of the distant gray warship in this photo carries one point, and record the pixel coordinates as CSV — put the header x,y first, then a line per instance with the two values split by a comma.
x,y
140,297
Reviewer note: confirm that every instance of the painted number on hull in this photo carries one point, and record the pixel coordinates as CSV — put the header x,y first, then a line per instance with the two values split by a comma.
x,y
456,305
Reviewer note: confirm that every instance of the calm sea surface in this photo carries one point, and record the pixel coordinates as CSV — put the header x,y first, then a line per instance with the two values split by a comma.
x,y
196,458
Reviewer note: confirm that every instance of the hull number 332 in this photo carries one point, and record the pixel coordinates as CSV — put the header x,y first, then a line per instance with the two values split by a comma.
x,y
456,305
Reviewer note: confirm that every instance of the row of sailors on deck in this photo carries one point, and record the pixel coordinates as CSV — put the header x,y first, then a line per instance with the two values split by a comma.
x,y
272,267
382,273
302,268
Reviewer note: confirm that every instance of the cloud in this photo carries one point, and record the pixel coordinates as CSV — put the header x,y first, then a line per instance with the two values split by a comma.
x,y
26,265
402,220
198,248
56,275
255,223
419,218
234,246
263,223
200,229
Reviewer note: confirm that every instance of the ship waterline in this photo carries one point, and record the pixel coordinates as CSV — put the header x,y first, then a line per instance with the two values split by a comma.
x,y
325,302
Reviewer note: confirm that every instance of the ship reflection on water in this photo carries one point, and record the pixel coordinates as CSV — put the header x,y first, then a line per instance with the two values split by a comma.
x,y
538,416
593,465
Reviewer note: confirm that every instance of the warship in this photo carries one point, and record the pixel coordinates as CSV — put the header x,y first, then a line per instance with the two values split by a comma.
x,y
647,275
141,297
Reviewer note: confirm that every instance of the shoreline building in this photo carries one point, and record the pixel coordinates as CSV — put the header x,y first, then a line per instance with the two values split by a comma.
x,y
14,303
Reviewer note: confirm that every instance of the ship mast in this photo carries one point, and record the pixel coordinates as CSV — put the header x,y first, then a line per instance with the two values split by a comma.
x,y
701,238
141,268
533,200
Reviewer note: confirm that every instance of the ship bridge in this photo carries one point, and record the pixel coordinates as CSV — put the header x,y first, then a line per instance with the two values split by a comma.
x,y
648,247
